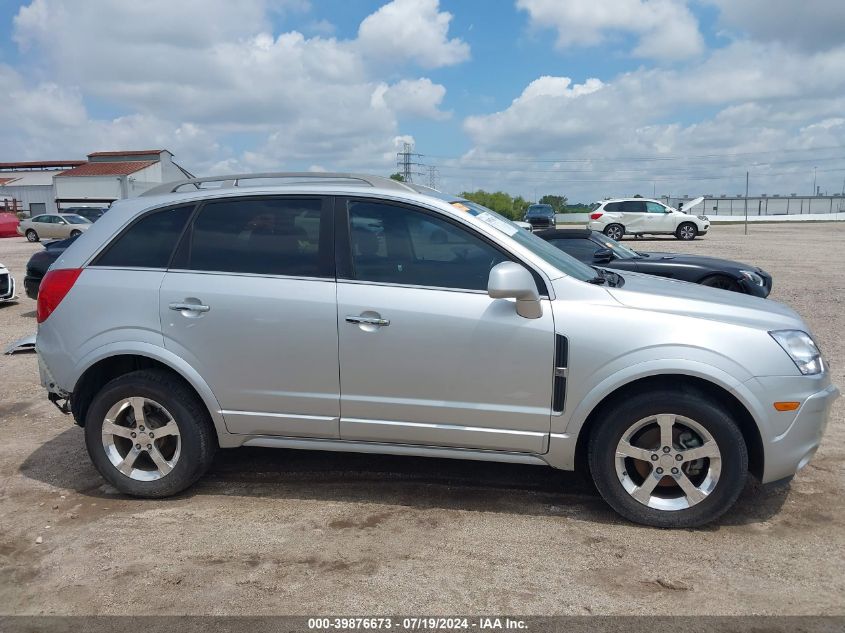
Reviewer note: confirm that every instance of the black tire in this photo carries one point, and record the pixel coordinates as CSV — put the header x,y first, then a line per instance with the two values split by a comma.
x,y
620,417
686,231
74,233
196,430
31,235
721,281
614,231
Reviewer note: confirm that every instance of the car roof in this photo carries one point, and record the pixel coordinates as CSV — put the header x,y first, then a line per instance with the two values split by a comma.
x,y
631,200
566,234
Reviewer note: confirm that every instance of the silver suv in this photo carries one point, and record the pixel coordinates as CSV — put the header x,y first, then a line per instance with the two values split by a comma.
x,y
352,313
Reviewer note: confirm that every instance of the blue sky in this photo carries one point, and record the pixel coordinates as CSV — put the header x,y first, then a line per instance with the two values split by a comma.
x,y
585,97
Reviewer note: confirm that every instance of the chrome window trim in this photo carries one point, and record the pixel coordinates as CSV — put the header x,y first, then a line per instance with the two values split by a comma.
x,y
361,282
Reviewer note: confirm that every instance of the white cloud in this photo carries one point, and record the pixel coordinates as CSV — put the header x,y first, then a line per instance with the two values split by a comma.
x,y
411,30
197,70
763,98
810,24
417,97
667,29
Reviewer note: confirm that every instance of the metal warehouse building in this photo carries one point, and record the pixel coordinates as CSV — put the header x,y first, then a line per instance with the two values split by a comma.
x,y
30,184
50,186
110,176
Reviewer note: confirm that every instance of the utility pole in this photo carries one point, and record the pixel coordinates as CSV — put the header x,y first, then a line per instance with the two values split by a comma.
x,y
406,161
746,203
815,192
432,176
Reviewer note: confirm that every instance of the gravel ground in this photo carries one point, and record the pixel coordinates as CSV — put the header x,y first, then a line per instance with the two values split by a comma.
x,y
285,532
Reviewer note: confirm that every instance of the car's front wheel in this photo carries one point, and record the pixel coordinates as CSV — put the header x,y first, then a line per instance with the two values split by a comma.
x,y
31,235
75,232
687,231
148,434
668,459
614,231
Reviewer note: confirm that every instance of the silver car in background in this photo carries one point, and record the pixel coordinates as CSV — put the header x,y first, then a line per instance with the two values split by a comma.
x,y
351,313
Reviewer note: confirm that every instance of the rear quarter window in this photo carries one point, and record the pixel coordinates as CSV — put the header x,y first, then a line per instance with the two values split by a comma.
x,y
149,242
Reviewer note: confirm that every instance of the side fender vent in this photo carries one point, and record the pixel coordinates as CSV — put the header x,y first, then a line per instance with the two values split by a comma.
x,y
561,373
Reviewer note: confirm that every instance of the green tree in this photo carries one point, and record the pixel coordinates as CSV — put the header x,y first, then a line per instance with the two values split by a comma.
x,y
500,202
397,176
558,203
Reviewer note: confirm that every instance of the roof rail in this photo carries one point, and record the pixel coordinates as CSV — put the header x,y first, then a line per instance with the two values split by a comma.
x,y
233,180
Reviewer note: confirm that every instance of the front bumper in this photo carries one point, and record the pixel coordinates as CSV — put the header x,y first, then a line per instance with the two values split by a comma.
x,y
790,443
31,285
7,287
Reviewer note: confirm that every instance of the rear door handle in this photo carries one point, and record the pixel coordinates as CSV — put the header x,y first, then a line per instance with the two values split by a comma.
x,y
362,320
194,307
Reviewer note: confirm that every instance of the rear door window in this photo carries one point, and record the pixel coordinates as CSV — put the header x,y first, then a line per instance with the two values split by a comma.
x,y
633,206
149,242
265,236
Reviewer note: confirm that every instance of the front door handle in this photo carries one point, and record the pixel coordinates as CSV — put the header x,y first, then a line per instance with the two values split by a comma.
x,y
194,307
362,320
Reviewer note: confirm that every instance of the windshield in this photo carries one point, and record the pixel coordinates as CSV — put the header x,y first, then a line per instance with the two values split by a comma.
x,y
540,209
620,251
76,219
540,247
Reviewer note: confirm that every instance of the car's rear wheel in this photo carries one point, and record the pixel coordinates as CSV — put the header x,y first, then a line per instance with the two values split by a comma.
x,y
687,231
668,459
148,434
75,232
614,231
721,281
31,235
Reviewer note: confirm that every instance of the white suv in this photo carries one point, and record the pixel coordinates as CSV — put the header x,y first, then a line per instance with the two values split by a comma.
x,y
639,216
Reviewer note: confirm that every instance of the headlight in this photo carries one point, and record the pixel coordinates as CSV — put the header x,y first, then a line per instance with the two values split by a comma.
x,y
753,277
801,349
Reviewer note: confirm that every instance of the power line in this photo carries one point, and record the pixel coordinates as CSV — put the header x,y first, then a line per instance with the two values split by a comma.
x,y
640,158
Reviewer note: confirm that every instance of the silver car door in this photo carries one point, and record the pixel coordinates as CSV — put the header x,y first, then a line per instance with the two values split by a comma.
x,y
426,356
250,303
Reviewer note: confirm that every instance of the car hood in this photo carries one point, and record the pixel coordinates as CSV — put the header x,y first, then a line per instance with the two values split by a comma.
x,y
716,263
646,292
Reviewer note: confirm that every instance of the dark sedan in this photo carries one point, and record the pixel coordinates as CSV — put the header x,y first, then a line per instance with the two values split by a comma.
x,y
596,249
38,264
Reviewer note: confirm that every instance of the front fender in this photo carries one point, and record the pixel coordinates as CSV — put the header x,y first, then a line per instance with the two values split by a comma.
x,y
562,444
174,362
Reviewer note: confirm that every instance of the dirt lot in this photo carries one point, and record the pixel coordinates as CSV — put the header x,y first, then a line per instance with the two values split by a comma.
x,y
282,532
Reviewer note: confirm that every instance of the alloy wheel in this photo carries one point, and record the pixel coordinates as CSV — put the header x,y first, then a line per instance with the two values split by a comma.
x,y
141,439
668,462
687,232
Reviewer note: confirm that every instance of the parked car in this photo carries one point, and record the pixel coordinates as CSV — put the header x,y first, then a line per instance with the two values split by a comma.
x,y
92,214
352,313
641,216
596,249
7,285
40,261
53,225
8,224
540,216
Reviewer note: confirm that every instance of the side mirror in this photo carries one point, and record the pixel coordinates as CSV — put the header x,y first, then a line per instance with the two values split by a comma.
x,y
509,280
603,255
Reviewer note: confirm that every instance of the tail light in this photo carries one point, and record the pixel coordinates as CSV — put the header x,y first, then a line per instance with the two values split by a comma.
x,y
54,287
596,216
